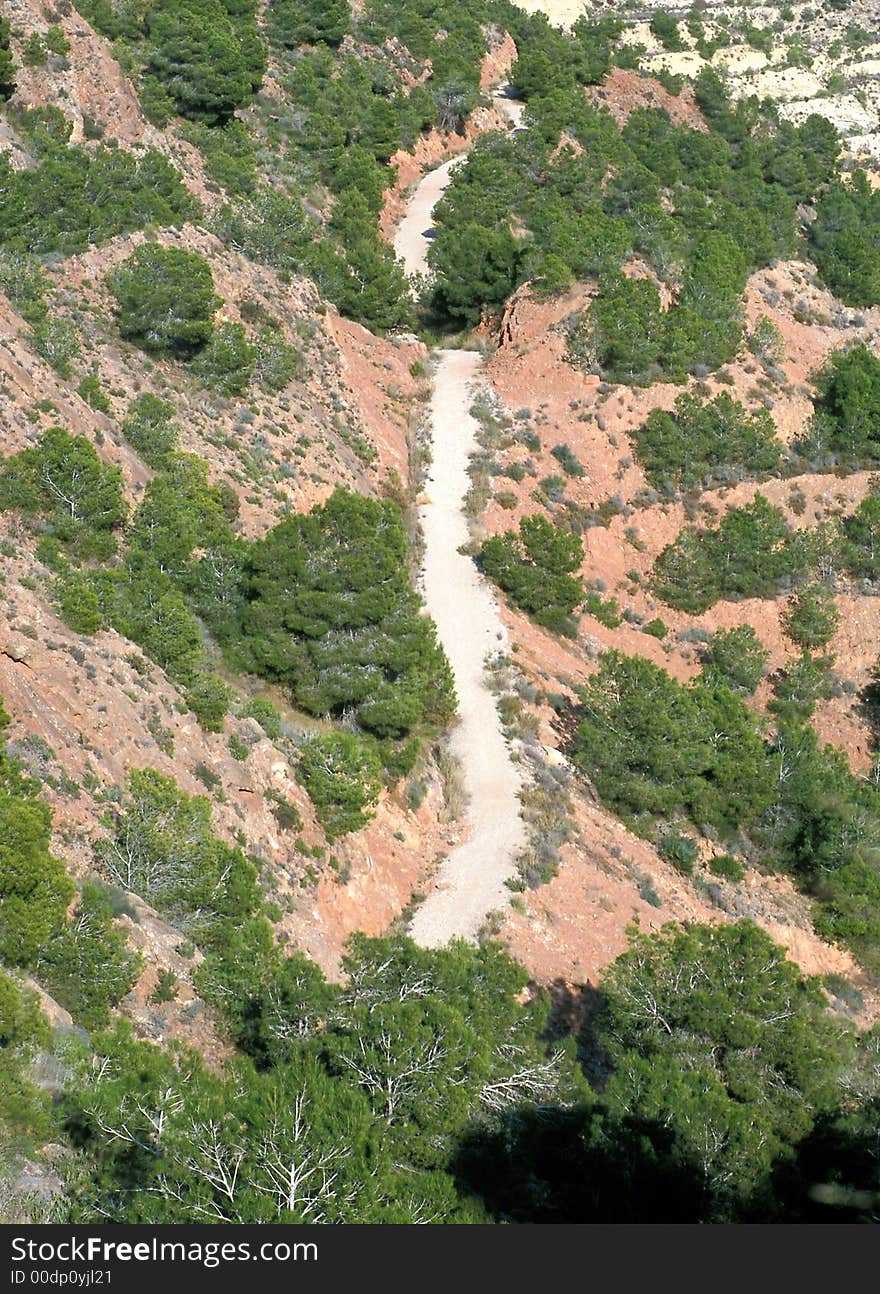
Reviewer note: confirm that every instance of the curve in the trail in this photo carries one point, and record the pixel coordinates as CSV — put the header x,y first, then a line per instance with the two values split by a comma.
x,y
470,882
504,97
415,231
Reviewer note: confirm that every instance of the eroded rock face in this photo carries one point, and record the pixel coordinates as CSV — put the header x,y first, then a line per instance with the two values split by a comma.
x,y
623,92
577,921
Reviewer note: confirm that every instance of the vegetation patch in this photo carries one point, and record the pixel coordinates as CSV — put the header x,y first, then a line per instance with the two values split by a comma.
x,y
702,443
534,567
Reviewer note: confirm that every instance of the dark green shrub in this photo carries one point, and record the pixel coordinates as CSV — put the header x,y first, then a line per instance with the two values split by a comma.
x,y
606,610
57,341
24,1030
87,966
846,239
271,228
166,299
91,391
157,104
24,281
535,568
703,443
148,599
7,63
343,777
752,553
680,851
736,658
653,747
162,847
326,608
57,42
208,698
194,51
145,606
285,813
847,408
229,154
209,779
76,197
227,361
861,545
850,904
568,460
726,867
665,27
621,333
476,267
800,685
266,715
79,603
64,482
811,618
149,429
302,22
709,1057
35,52
166,987
34,887
43,128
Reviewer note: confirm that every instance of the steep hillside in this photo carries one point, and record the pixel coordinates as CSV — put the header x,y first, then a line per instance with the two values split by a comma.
x,y
237,491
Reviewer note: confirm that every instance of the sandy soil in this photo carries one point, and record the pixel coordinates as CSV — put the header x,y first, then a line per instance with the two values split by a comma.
x,y
471,881
511,108
561,12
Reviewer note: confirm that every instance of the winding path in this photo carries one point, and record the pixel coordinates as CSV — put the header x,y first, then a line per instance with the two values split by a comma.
x,y
470,882
414,233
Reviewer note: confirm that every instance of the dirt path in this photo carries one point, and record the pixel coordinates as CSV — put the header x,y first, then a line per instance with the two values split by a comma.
x,y
470,882
415,231
513,109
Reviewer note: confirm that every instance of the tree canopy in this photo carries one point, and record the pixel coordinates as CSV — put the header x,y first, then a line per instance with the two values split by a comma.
x,y
327,608
652,746
196,54
535,567
166,298
75,197
706,442
77,496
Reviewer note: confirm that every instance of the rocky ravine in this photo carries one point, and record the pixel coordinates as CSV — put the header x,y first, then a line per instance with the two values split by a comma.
x,y
579,922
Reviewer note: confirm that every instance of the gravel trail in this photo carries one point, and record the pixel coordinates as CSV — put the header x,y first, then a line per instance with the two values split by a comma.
x,y
470,883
